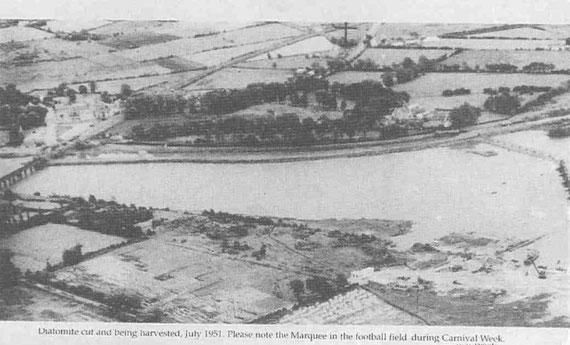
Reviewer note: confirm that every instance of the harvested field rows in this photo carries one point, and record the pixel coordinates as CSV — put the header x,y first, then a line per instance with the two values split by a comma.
x,y
560,59
388,57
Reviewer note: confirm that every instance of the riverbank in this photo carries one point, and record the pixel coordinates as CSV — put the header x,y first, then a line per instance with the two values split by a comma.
x,y
113,153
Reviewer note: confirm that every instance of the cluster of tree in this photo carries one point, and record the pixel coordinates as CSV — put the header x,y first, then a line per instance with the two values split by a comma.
x,y
72,256
365,65
464,115
317,288
539,67
559,132
341,42
225,218
501,101
9,274
456,92
544,98
83,35
501,68
18,109
530,89
110,217
563,171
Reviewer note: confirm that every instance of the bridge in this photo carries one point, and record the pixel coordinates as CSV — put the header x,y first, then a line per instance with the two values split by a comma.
x,y
21,173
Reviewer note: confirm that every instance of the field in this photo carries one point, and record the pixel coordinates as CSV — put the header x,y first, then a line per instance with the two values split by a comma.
x,y
490,44
178,64
352,77
50,74
18,33
191,29
218,56
260,33
527,32
38,245
238,78
281,109
24,303
134,40
388,57
114,86
409,30
427,90
319,44
560,59
74,25
126,26
289,63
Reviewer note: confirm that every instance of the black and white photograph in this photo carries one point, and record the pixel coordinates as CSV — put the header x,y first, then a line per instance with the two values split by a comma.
x,y
293,172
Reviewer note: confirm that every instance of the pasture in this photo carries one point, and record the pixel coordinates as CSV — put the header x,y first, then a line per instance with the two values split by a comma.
x,y
191,29
560,59
491,44
20,33
388,57
427,89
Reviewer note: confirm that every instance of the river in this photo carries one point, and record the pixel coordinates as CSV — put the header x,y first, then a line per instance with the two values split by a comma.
x,y
506,195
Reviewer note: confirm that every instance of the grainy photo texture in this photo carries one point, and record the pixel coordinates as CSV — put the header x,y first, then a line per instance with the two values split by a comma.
x,y
341,173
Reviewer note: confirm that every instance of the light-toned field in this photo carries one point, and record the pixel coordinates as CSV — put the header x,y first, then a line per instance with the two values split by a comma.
x,y
19,33
7,165
388,57
260,33
50,74
527,32
34,247
126,26
218,56
293,62
281,109
560,59
319,44
238,78
490,44
191,29
71,49
408,30
351,77
71,25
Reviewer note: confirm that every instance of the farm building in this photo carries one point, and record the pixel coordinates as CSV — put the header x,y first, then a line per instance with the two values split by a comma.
x,y
86,107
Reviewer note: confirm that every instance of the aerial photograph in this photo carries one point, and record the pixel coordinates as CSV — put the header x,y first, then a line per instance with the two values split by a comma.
x,y
283,172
